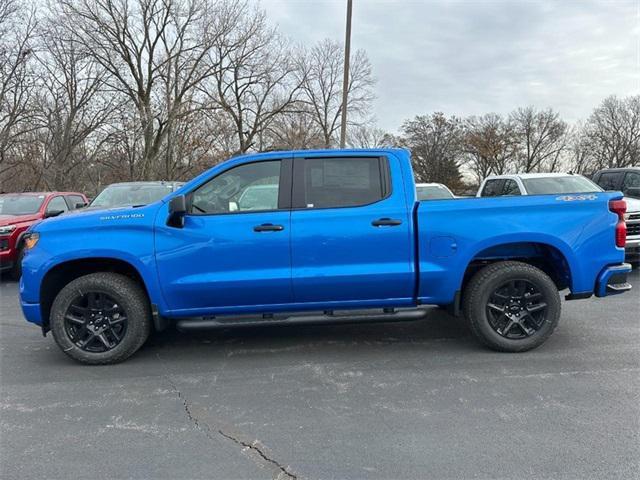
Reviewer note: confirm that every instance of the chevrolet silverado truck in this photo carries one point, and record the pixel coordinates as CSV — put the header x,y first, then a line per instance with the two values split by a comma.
x,y
345,241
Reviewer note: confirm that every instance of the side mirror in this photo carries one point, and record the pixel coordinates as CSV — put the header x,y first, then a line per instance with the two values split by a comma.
x,y
80,205
177,211
233,207
52,213
633,192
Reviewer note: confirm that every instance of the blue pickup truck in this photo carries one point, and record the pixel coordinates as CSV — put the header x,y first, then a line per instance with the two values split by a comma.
x,y
329,236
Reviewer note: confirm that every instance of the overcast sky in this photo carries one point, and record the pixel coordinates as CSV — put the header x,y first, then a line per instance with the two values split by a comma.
x,y
473,57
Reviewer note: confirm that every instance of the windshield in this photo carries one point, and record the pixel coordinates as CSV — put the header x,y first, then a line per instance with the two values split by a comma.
x,y
551,185
432,192
127,195
20,204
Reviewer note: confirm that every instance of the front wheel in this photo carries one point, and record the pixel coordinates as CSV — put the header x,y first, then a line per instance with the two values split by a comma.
x,y
100,318
512,306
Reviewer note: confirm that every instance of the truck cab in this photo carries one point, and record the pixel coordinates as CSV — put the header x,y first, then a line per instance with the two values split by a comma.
x,y
328,236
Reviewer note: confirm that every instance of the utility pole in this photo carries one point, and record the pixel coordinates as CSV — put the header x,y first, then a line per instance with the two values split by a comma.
x,y
345,80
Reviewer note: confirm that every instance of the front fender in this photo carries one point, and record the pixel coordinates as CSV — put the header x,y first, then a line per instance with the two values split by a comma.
x,y
102,236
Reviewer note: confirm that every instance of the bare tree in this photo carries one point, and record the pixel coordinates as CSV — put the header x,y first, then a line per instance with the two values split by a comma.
x,y
436,146
541,137
293,131
155,53
612,133
369,136
490,145
321,71
255,81
71,106
18,25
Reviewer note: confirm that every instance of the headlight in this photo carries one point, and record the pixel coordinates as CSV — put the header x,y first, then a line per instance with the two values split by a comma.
x,y
30,240
7,229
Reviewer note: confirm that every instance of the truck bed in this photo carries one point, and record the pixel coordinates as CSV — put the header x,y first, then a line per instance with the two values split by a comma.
x,y
452,234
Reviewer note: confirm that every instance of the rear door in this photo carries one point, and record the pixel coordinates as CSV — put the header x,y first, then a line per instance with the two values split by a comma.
x,y
351,231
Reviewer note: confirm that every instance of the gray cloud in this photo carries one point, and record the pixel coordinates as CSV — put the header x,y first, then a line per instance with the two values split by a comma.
x,y
472,57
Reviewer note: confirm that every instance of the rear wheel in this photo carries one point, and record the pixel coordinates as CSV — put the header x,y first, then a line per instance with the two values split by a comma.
x,y
512,306
100,318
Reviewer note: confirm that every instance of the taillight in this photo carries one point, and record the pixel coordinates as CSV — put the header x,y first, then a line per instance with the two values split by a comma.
x,y
619,207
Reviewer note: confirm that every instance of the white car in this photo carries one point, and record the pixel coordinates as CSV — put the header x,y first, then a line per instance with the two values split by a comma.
x,y
535,184
433,191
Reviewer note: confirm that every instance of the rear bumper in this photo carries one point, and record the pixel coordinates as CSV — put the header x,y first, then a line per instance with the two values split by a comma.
x,y
613,280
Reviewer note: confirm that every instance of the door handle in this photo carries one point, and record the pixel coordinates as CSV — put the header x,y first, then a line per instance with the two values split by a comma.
x,y
268,227
386,222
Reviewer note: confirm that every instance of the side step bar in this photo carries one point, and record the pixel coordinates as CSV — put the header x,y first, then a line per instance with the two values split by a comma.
x,y
301,319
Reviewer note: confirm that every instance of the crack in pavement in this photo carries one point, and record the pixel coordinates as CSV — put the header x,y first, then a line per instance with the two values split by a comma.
x,y
259,451
283,471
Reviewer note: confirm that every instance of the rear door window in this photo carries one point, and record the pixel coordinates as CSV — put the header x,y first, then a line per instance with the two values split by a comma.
x,y
510,187
339,182
493,188
610,180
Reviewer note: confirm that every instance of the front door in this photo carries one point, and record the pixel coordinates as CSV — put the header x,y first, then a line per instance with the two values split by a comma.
x,y
233,250
351,231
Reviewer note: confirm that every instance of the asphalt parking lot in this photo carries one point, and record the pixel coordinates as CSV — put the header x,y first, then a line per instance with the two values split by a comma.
x,y
414,400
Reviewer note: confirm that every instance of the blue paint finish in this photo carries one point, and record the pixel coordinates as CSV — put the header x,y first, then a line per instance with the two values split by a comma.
x,y
581,231
606,274
338,255
220,261
329,258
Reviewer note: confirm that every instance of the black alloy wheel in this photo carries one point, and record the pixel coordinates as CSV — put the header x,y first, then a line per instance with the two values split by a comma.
x,y
516,309
511,306
94,322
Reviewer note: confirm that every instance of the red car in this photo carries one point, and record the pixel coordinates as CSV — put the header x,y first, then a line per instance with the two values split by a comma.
x,y
18,211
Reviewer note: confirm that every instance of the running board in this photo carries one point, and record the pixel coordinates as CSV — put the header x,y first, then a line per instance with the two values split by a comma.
x,y
300,319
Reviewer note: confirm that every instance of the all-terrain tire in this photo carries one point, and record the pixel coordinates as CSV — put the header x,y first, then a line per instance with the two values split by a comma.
x,y
482,286
129,295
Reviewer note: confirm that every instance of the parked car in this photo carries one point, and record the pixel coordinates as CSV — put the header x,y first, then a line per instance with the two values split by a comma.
x,y
433,191
18,211
128,194
627,181
535,184
347,234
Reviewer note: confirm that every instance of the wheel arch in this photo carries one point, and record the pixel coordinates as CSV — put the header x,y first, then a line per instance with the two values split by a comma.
x,y
547,257
61,274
